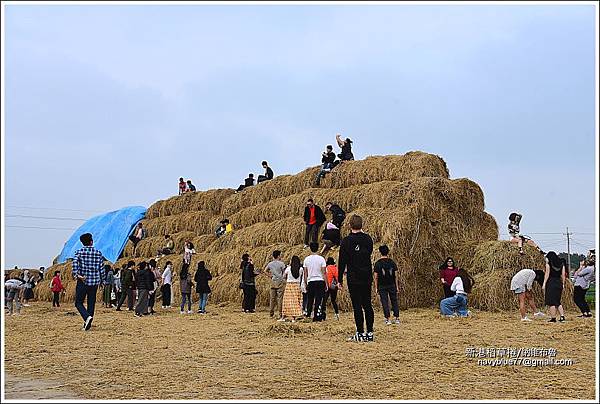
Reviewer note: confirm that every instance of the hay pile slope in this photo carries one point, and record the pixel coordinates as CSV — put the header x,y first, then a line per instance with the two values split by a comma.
x,y
408,202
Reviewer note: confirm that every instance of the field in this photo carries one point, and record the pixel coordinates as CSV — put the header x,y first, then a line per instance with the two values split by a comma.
x,y
227,354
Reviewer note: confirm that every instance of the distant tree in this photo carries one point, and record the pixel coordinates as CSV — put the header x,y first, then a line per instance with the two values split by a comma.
x,y
576,259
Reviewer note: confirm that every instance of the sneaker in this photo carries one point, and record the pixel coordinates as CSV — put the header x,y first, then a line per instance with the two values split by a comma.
x,y
397,321
305,247
525,319
25,305
281,319
337,316
369,337
199,311
181,312
189,312
539,314
552,320
388,322
118,309
357,337
137,315
88,323
562,319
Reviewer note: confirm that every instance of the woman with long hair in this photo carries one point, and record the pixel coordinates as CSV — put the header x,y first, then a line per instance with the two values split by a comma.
x,y
292,295
185,287
584,276
201,278
457,305
248,284
554,280
448,271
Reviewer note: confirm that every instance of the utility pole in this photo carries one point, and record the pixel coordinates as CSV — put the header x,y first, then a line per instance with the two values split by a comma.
x,y
568,253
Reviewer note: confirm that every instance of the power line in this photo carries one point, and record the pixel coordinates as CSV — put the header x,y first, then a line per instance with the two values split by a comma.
x,y
47,217
38,227
46,208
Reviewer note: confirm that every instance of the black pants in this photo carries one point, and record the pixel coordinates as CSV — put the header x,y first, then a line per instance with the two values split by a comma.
x,y
315,291
392,293
311,234
126,293
338,220
166,294
360,295
333,294
447,292
262,178
55,299
134,240
579,299
165,251
151,301
249,302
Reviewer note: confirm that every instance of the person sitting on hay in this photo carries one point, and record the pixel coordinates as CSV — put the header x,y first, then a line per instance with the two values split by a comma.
x,y
268,173
346,146
328,163
248,182
516,237
224,228
168,248
521,284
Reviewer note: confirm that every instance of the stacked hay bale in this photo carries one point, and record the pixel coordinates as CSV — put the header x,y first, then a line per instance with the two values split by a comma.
x,y
407,202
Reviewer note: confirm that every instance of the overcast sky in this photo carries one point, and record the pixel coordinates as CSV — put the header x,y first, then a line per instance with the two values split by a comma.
x,y
107,106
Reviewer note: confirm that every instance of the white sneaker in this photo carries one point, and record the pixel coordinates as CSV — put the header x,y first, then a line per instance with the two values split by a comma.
x,y
539,314
526,319
181,312
388,322
25,305
305,246
189,312
337,316
281,319
397,321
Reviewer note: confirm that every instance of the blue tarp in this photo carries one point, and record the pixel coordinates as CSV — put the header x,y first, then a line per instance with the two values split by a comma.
x,y
109,230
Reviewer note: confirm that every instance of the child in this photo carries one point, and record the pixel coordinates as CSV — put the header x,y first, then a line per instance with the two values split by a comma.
x,y
457,304
521,284
384,273
331,278
56,286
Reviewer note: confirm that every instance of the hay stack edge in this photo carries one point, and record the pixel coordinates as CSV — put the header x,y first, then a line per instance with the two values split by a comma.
x,y
407,202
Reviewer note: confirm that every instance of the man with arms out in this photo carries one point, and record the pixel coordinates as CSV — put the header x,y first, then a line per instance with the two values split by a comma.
x,y
88,271
355,261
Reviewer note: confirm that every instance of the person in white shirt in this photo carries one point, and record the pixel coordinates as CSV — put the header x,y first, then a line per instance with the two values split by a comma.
x,y
314,281
167,279
292,297
457,305
521,284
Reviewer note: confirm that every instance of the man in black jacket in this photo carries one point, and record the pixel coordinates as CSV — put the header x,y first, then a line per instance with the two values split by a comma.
x,y
328,163
144,283
355,261
338,214
314,218
127,286
268,173
248,182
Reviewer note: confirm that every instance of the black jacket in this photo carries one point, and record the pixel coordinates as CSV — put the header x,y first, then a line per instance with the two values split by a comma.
x,y
328,158
332,235
201,278
336,211
269,173
144,279
248,182
355,259
318,213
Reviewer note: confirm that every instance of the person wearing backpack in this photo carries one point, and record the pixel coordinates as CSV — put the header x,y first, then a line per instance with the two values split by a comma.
x,y
384,274
56,287
331,279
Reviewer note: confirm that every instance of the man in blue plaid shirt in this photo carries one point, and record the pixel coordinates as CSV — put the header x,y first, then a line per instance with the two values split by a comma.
x,y
88,270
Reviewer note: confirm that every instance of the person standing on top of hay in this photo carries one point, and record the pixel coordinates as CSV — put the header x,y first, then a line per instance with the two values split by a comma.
x,y
182,186
168,248
268,173
355,261
248,182
337,213
516,237
275,268
457,305
107,286
554,280
331,237
314,218
128,285
202,277
167,279
144,284
56,287
346,145
314,281
327,163
447,274
385,284
188,251
584,276
190,187
88,265
331,279
138,234
292,296
248,284
521,284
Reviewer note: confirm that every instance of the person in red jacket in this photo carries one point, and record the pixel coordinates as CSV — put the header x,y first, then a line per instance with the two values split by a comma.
x,y
448,271
56,286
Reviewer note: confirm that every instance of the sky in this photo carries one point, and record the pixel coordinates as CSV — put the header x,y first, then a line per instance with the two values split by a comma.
x,y
106,106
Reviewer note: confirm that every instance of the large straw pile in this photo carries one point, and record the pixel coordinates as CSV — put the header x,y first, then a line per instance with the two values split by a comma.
x,y
407,202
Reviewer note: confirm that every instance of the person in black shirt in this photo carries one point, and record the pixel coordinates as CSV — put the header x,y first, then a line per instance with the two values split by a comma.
x,y
337,213
346,145
327,163
144,283
314,219
248,284
554,279
248,182
385,284
268,173
355,261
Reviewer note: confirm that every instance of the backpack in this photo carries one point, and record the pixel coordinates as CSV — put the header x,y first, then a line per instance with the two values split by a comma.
x,y
333,285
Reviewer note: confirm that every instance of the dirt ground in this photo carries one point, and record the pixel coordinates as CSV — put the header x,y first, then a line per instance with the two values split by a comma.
x,y
227,354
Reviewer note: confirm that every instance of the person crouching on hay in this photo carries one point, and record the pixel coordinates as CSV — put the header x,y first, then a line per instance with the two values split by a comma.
x,y
514,232
457,304
292,295
521,284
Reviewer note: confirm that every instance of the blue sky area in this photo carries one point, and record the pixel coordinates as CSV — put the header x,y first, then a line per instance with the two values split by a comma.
x,y
107,106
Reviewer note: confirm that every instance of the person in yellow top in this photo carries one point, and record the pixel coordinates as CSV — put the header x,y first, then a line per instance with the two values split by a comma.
x,y
224,228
